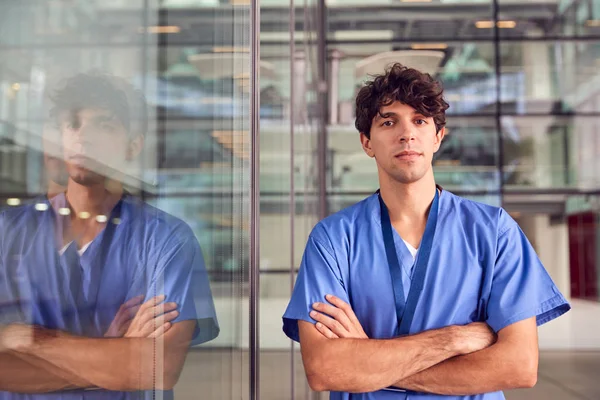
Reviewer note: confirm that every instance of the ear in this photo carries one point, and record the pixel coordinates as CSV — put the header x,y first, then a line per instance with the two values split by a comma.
x,y
439,137
366,145
135,147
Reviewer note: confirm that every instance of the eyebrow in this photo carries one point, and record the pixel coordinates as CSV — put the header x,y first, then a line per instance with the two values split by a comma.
x,y
390,114
104,118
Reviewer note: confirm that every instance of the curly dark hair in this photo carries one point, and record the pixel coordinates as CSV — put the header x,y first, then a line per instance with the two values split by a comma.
x,y
99,90
406,85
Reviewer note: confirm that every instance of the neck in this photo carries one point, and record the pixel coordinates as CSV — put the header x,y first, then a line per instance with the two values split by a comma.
x,y
54,189
408,202
98,199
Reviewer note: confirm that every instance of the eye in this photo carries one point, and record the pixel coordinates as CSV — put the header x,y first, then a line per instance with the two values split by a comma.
x,y
420,121
107,127
387,123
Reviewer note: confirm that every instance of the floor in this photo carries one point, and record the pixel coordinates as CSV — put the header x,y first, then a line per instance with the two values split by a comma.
x,y
223,374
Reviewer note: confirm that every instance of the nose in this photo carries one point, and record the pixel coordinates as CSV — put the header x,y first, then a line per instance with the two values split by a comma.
x,y
406,132
79,129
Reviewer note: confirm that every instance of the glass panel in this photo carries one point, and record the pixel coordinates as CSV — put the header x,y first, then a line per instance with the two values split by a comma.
x,y
549,19
124,133
276,356
287,177
389,20
550,77
466,71
551,152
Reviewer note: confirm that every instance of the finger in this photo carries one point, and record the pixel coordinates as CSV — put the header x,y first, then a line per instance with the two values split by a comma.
x,y
154,301
163,308
334,312
330,323
151,313
170,316
134,301
130,313
124,316
161,330
151,326
123,329
326,331
342,305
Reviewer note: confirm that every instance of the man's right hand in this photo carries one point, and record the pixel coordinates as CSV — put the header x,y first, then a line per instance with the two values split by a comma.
x,y
151,319
474,337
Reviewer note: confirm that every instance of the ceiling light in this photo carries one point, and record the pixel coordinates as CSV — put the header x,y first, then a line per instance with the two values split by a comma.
x,y
160,29
506,24
64,211
484,24
231,49
429,46
41,206
500,24
13,202
84,215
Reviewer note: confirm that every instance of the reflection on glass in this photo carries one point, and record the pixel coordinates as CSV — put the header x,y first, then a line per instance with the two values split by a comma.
x,y
560,19
549,77
466,161
185,185
98,275
465,69
387,20
551,152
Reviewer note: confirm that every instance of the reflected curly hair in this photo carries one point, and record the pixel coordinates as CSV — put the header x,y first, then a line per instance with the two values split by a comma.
x,y
406,85
96,89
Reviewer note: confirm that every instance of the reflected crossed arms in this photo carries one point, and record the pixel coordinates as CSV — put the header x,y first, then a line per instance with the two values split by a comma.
x,y
141,350
455,360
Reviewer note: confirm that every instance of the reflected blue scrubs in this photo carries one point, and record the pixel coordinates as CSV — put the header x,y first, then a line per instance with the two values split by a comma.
x,y
481,267
141,251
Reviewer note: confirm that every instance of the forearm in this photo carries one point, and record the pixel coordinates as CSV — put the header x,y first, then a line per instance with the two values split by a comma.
x,y
364,365
113,364
492,369
19,375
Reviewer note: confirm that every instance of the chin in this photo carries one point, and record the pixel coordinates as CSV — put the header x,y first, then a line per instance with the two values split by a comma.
x,y
407,177
87,179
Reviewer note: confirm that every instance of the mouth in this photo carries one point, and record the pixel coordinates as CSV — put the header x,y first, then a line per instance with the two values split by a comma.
x,y
79,159
408,155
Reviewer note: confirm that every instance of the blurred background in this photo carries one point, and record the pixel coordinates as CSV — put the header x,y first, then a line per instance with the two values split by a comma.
x,y
522,79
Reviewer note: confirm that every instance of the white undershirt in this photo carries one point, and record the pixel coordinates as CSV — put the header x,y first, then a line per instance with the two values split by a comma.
x,y
413,251
79,251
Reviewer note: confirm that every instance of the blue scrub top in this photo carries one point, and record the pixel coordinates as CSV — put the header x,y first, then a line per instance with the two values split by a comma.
x,y
481,268
141,251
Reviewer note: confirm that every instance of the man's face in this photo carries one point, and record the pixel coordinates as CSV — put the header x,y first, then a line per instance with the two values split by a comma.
x,y
54,163
402,142
95,145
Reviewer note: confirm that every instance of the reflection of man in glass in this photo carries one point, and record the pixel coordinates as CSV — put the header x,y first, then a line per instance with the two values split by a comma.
x,y
54,164
75,269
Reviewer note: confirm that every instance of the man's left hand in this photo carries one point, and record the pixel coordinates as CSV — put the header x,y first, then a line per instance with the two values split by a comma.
x,y
337,320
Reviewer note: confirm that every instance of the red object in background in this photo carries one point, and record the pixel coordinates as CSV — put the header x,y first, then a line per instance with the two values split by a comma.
x,y
583,232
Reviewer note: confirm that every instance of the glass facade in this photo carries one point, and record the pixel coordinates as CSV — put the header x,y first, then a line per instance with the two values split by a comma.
x,y
522,80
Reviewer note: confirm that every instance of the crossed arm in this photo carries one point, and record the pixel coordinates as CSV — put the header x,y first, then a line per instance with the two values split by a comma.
x,y
142,351
456,360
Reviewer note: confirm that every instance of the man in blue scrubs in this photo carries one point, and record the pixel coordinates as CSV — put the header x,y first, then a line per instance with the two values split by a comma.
x,y
75,269
415,293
